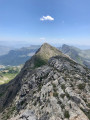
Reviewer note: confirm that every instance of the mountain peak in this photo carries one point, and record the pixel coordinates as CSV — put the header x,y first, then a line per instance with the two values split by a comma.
x,y
64,45
45,44
47,51
42,55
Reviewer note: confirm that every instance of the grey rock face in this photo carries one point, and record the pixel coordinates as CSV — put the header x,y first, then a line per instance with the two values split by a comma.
x,y
57,91
27,115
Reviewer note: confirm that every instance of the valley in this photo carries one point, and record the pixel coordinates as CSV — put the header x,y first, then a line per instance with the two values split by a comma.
x,y
9,73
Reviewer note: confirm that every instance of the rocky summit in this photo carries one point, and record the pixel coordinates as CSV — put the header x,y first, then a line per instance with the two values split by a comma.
x,y
42,56
50,86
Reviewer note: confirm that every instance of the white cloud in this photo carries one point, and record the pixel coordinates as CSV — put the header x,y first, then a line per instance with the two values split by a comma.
x,y
47,18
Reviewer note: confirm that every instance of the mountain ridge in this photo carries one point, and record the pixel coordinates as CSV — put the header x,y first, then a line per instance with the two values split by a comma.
x,y
57,90
28,66
80,56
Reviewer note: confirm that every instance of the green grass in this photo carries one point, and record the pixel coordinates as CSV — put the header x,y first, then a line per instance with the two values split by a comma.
x,y
66,114
81,86
8,74
39,62
6,77
63,87
55,94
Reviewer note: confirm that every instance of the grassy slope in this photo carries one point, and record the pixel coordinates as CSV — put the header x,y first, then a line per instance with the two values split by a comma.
x,y
8,74
7,77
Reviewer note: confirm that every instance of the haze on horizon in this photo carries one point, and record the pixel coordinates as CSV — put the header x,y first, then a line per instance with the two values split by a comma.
x,y
36,22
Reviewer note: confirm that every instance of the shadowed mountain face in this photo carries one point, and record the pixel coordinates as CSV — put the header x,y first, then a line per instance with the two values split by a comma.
x,y
56,89
19,56
80,56
4,50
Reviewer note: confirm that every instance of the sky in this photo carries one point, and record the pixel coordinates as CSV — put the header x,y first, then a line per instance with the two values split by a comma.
x,y
38,21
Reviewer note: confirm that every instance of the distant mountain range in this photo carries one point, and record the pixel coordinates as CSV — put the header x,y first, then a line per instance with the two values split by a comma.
x,y
4,50
80,56
20,56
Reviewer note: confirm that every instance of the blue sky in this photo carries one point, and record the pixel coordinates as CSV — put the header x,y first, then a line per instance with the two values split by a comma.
x,y
39,21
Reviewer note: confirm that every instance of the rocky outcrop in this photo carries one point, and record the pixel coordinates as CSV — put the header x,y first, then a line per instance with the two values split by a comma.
x,y
59,90
25,115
